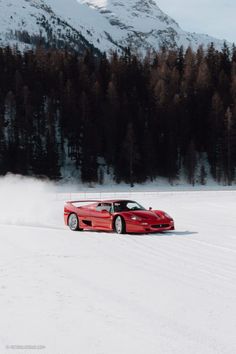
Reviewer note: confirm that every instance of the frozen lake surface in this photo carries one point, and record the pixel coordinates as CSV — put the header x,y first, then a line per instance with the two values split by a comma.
x,y
102,293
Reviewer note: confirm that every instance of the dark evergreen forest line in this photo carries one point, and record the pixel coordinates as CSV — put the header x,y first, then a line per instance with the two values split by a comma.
x,y
171,113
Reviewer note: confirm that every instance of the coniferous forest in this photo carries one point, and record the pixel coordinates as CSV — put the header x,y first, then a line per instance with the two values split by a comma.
x,y
170,114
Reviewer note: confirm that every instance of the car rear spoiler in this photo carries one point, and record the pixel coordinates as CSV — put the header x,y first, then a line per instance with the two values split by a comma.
x,y
82,201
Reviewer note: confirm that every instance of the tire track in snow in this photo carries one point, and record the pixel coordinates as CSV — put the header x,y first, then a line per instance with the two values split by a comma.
x,y
209,265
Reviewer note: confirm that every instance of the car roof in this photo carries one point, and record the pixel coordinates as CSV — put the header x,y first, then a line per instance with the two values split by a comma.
x,y
116,201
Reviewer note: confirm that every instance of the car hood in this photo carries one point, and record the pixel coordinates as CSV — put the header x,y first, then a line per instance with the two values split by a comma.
x,y
146,214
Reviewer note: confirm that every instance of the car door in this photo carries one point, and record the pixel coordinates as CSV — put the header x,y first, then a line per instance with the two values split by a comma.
x,y
102,218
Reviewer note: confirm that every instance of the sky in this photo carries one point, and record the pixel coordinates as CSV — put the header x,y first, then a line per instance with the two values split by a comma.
x,y
213,17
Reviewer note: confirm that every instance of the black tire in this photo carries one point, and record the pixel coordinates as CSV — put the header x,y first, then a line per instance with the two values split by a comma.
x,y
73,222
119,225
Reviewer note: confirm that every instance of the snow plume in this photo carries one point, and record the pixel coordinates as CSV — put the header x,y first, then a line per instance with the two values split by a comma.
x,y
29,201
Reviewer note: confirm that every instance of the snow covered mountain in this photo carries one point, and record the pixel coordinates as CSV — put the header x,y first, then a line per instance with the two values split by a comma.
x,y
28,22
106,24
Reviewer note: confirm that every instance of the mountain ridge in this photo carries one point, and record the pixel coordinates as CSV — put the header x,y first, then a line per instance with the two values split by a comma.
x,y
102,24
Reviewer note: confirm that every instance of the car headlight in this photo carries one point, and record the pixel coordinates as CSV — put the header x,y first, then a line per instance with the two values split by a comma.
x,y
136,218
167,216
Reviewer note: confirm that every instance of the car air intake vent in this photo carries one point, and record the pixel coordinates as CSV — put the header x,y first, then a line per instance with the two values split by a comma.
x,y
160,226
87,222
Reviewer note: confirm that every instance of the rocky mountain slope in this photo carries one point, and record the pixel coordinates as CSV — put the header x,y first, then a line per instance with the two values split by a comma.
x,y
104,24
26,23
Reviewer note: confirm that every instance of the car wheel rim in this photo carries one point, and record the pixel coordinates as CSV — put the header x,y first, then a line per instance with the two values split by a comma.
x,y
73,222
118,224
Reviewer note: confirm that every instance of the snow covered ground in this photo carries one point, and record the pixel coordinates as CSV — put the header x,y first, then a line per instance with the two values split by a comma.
x,y
99,293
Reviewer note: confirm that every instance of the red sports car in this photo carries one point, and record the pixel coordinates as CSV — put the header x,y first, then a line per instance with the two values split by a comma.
x,y
121,216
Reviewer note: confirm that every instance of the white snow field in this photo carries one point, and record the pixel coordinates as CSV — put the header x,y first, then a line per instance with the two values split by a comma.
x,y
64,292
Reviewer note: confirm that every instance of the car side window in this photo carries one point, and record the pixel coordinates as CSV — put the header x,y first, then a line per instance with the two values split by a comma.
x,y
98,207
120,206
117,207
103,206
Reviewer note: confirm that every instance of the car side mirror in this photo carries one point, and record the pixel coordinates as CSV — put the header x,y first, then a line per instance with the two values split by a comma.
x,y
150,208
104,211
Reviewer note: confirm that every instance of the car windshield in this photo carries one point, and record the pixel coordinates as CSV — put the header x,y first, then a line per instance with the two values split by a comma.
x,y
127,205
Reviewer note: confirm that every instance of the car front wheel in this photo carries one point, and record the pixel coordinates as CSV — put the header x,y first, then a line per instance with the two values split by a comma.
x,y
119,225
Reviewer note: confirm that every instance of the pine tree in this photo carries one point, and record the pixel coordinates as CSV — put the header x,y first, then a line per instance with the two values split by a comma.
x,y
228,129
191,162
89,143
215,138
129,155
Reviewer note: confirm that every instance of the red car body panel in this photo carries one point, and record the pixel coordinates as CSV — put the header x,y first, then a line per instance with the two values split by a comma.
x,y
136,221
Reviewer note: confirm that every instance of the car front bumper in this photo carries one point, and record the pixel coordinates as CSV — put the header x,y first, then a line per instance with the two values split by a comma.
x,y
146,227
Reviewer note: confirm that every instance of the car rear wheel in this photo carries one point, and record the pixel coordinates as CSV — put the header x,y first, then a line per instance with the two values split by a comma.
x,y
73,222
119,225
